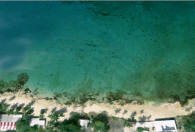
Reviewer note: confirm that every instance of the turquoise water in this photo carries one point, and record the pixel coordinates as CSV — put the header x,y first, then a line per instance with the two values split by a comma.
x,y
143,48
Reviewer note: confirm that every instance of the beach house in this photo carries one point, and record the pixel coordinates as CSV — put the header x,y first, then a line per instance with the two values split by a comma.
x,y
8,122
84,123
162,125
165,126
37,122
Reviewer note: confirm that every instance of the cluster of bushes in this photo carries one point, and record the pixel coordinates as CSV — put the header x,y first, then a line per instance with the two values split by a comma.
x,y
70,125
80,98
118,96
110,97
100,122
122,97
142,129
3,108
23,125
187,123
14,85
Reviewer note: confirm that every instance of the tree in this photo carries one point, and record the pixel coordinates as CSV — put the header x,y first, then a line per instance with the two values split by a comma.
x,y
2,86
187,122
21,80
100,122
3,108
14,85
70,125
99,126
142,129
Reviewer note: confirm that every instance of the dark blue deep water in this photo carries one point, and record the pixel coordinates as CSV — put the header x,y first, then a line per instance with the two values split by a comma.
x,y
142,48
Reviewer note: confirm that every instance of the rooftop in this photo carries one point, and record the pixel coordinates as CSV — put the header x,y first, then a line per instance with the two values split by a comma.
x,y
84,123
8,122
10,118
158,126
37,122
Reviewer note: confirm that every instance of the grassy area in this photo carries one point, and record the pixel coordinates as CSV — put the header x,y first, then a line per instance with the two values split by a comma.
x,y
141,129
186,123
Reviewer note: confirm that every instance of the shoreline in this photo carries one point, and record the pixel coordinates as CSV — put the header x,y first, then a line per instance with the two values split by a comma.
x,y
150,110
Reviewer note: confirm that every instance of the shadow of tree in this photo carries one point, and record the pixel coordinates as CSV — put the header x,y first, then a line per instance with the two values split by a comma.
x,y
61,111
43,111
30,104
28,108
14,106
53,110
142,119
148,118
12,98
19,107
3,101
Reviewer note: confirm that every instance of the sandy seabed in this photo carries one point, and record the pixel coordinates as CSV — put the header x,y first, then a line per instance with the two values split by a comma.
x,y
154,111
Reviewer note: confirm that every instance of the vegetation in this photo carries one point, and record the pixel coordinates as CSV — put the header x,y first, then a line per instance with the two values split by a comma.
x,y
3,108
141,129
14,85
100,122
117,110
187,123
154,82
80,98
124,112
23,125
70,125
128,123
21,80
27,90
142,118
132,117
119,96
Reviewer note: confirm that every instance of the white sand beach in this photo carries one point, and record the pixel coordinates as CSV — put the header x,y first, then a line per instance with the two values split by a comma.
x,y
153,111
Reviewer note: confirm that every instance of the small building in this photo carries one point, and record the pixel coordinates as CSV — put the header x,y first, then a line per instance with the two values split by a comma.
x,y
8,122
37,122
165,126
84,123
162,125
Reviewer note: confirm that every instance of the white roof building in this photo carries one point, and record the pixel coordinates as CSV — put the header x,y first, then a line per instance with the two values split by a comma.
x,y
37,122
165,126
8,122
156,126
84,123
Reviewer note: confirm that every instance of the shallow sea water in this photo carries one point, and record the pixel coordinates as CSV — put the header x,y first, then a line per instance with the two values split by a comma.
x,y
142,48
